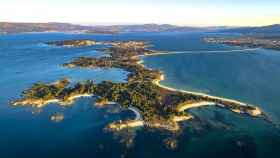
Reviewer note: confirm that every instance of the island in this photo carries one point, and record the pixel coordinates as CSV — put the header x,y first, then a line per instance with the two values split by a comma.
x,y
73,43
267,42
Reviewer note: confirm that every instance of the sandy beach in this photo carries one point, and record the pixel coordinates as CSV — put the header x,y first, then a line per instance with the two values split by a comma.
x,y
157,82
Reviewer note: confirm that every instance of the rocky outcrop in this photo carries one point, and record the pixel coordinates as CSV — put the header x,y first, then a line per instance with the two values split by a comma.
x,y
57,117
170,143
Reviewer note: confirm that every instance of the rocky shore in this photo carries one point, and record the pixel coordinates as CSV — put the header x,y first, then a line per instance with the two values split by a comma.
x,y
39,103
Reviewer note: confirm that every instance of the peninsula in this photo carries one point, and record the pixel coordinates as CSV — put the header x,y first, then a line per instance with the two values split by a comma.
x,y
159,106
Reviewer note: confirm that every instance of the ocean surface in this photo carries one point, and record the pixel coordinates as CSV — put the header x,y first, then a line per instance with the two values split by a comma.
x,y
248,76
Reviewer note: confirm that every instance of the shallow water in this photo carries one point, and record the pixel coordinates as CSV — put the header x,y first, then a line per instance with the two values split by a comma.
x,y
248,76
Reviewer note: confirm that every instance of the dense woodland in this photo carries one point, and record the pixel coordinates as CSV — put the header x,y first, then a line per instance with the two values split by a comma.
x,y
59,90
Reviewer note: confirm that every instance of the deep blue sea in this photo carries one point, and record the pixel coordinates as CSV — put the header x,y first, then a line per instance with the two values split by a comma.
x,y
248,76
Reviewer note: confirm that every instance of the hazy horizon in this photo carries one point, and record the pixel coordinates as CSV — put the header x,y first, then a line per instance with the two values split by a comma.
x,y
131,24
124,12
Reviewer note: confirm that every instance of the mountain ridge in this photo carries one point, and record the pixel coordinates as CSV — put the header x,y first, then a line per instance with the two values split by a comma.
x,y
14,27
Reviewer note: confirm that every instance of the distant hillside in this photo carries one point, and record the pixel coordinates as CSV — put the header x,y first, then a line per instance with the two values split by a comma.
x,y
6,27
151,28
37,27
271,29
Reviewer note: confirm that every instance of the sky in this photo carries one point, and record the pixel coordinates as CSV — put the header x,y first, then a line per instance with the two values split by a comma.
x,y
177,12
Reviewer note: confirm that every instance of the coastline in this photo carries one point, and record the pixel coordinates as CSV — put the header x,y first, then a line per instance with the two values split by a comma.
x,y
255,113
133,123
157,82
194,105
136,112
41,103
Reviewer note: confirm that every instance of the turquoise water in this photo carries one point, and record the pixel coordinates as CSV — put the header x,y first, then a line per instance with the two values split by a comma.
x,y
248,76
